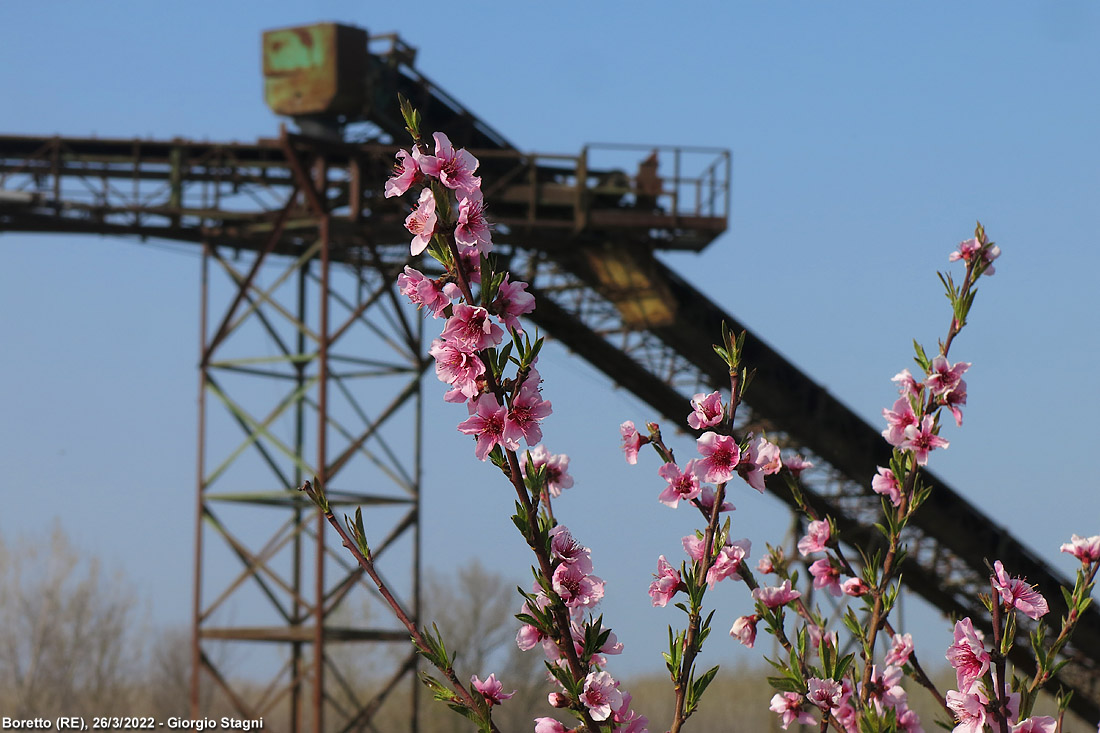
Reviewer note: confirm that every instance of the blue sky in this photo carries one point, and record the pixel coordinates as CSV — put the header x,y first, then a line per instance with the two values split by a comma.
x,y
867,138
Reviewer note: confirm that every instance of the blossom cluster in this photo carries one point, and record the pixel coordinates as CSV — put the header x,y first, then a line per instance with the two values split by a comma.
x,y
720,458
470,328
829,691
488,363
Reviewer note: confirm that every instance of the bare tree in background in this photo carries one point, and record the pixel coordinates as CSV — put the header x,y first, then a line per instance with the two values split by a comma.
x,y
474,610
165,684
66,632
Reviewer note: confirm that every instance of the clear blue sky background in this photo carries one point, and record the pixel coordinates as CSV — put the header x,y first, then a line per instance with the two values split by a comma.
x,y
867,138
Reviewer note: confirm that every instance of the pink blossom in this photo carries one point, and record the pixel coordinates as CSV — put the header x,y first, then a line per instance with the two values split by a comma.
x,y
796,464
759,460
472,230
776,595
632,441
966,250
487,423
681,485
576,587
456,367
944,377
565,548
1016,592
491,689
886,689
955,398
694,547
528,637
901,646
666,581
825,694
1085,550
766,565
577,631
707,497
601,695
638,724
847,717
789,707
990,253
922,440
818,635
513,301
421,222
908,720
628,721
727,563
454,169
707,410
611,646
405,174
967,655
720,457
528,410
548,725
845,714
1012,702
470,261
971,247
471,329
744,630
826,576
817,537
855,587
898,419
1036,724
969,709
886,483
555,468
422,291
533,380
907,385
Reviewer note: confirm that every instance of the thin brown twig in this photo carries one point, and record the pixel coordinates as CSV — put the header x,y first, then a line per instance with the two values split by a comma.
x,y
418,638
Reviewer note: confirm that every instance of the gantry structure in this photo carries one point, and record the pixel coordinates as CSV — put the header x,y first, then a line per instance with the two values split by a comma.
x,y
310,363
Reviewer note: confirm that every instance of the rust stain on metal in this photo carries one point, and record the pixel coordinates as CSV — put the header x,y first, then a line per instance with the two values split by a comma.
x,y
305,36
317,69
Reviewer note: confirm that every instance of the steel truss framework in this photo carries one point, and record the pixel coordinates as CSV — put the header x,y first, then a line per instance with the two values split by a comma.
x,y
347,360
584,237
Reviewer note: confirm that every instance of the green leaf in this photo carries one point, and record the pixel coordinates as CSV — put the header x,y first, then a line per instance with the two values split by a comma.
x,y
534,352
703,682
920,358
842,666
439,690
784,684
502,362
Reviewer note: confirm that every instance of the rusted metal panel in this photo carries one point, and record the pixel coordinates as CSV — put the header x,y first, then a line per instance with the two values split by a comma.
x,y
315,69
641,300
